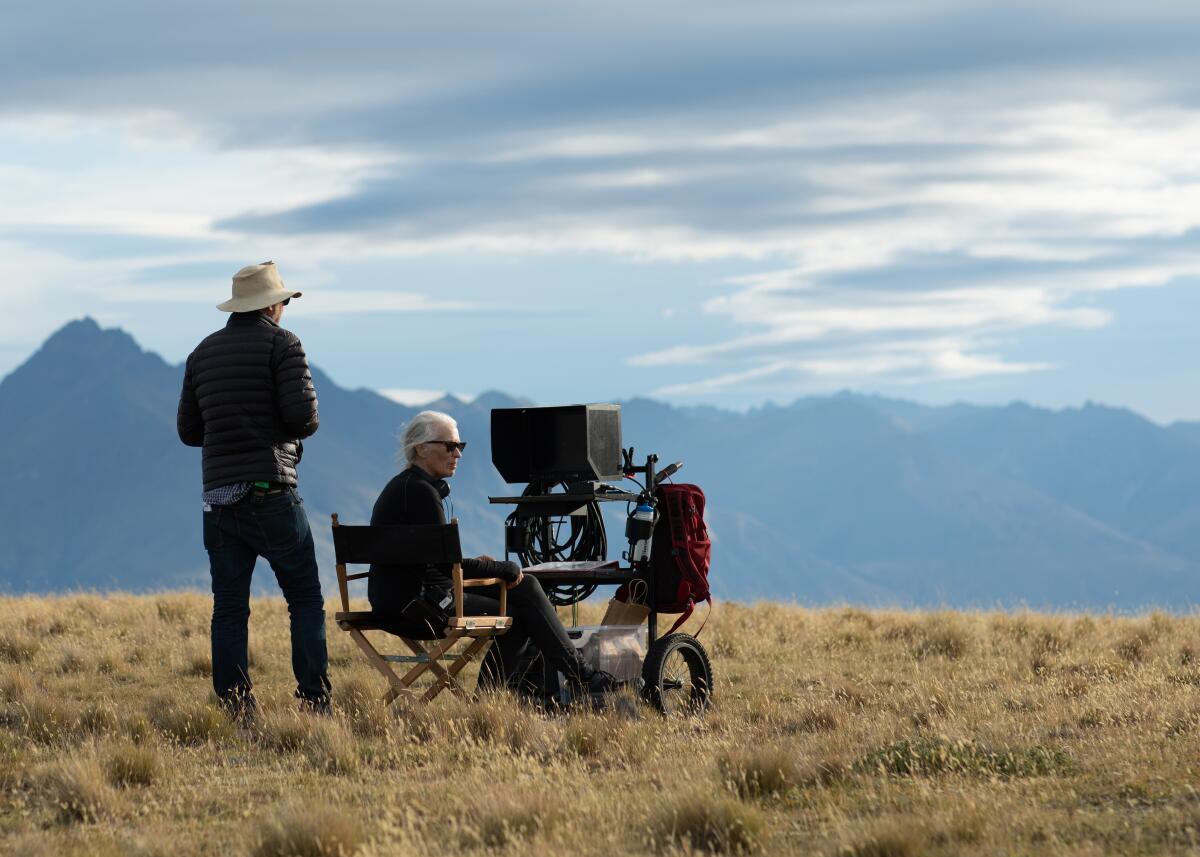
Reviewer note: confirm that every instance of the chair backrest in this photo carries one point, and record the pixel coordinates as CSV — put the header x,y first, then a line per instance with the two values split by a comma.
x,y
391,544
397,544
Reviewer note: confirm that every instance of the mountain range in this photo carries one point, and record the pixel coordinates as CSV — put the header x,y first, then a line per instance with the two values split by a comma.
x,y
845,498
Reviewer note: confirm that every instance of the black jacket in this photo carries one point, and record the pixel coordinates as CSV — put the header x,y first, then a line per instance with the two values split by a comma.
x,y
415,497
248,399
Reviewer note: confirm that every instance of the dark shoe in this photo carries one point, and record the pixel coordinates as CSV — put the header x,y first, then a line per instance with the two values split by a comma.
x,y
601,682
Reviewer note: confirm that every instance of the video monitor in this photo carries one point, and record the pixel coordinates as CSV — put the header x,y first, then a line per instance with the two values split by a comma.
x,y
565,443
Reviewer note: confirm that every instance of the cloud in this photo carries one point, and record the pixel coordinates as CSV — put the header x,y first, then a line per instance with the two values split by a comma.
x,y
901,190
895,363
353,301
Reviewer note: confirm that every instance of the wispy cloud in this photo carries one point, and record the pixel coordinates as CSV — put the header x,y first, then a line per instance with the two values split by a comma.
x,y
903,190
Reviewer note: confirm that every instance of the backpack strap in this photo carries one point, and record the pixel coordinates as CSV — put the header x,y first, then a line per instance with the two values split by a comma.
x,y
687,614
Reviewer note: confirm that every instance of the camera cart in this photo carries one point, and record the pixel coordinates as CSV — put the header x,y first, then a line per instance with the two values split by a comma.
x,y
557,532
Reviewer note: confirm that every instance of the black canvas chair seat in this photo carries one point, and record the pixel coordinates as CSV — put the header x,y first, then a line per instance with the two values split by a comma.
x,y
414,545
366,620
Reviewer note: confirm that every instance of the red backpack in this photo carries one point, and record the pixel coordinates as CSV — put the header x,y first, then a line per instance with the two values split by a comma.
x,y
681,552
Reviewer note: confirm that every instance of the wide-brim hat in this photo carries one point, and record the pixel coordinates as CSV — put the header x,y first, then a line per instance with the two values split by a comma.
x,y
257,287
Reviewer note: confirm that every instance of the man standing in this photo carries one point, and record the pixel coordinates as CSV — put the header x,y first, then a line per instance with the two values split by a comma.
x,y
248,400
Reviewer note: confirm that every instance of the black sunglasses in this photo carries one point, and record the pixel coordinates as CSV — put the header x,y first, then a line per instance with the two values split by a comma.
x,y
287,301
451,445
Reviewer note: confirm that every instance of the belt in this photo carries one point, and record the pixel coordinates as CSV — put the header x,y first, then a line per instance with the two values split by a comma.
x,y
269,488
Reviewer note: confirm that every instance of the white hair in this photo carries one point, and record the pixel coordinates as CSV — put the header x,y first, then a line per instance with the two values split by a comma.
x,y
421,429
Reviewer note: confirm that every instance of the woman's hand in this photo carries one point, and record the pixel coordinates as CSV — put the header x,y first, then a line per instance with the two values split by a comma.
x,y
517,582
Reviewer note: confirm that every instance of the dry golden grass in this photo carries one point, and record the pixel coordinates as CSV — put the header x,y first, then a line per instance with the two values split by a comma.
x,y
836,731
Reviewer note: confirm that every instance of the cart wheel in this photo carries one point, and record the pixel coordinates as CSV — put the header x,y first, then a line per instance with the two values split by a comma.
x,y
678,675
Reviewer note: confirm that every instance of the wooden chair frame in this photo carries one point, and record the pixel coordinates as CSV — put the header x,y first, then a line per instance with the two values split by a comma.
x,y
426,655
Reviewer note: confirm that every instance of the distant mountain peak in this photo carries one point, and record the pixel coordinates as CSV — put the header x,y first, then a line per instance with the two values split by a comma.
x,y
87,336
77,348
489,399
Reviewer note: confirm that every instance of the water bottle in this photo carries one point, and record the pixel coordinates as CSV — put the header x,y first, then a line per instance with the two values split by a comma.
x,y
639,529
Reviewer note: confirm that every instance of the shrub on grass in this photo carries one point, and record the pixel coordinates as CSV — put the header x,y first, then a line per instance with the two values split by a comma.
x,y
360,705
17,648
414,723
887,842
590,737
285,731
331,749
172,612
822,773
942,637
851,696
927,756
132,765
712,824
307,831
99,718
199,664
498,822
1183,722
15,686
12,761
137,728
758,772
77,790
526,735
47,721
497,720
1134,646
191,723
813,720
71,662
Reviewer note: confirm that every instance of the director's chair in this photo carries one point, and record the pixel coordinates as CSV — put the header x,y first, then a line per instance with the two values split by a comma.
x,y
401,544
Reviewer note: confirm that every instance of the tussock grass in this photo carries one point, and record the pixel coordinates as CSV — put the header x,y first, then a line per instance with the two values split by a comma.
x,y
813,719
897,841
70,662
17,648
77,790
190,722
499,821
715,825
760,771
331,748
15,685
835,731
132,765
927,756
198,664
47,720
285,731
327,744
307,831
99,718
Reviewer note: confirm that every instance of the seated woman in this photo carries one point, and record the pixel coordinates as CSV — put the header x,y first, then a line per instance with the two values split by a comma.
x,y
432,448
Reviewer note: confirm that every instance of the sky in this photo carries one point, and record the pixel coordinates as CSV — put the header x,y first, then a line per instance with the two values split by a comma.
x,y
704,203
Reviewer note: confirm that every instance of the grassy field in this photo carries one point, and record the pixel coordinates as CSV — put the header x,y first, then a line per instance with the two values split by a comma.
x,y
837,731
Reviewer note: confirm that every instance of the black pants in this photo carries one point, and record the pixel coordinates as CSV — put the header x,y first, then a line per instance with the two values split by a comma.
x,y
276,528
536,630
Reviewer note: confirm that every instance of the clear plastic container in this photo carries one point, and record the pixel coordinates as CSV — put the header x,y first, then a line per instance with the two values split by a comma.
x,y
615,649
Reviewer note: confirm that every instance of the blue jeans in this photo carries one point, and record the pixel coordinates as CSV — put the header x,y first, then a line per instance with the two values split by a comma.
x,y
274,527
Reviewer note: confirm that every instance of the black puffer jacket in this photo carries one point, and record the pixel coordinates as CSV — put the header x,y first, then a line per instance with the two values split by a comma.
x,y
415,497
248,399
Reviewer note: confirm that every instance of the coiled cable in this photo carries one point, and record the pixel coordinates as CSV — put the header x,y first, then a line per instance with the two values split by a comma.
x,y
560,538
